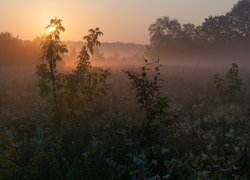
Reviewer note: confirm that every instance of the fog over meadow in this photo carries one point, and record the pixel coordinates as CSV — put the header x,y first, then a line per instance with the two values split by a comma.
x,y
176,107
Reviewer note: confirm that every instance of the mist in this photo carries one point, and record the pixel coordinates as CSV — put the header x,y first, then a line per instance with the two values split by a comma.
x,y
177,107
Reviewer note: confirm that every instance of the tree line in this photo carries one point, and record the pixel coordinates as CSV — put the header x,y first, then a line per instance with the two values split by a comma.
x,y
229,31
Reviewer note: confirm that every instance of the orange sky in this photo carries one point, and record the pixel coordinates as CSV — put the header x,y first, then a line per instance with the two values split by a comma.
x,y
120,20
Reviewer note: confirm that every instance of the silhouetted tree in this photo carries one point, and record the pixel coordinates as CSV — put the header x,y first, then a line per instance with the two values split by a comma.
x,y
218,29
7,36
164,30
189,32
47,72
86,82
240,18
16,52
225,32
150,100
231,85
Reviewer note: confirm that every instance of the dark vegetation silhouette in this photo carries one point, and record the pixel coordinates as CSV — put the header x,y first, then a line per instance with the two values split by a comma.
x,y
127,122
233,84
148,95
225,35
71,90
26,51
49,78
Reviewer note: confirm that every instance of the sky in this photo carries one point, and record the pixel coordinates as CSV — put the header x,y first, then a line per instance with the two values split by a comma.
x,y
120,20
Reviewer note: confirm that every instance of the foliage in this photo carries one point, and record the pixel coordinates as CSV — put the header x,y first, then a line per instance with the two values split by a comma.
x,y
49,77
9,155
218,30
86,82
217,33
231,86
148,96
164,29
46,158
26,51
72,91
240,17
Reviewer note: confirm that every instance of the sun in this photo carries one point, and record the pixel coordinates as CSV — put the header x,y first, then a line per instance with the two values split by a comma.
x,y
51,29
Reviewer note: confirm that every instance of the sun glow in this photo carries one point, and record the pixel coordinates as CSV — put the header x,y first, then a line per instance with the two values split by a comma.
x,y
51,29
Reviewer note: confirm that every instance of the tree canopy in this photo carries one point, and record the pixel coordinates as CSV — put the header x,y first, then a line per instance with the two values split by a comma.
x,y
232,29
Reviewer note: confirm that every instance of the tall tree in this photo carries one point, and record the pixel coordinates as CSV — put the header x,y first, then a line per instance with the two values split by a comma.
x,y
189,31
240,18
218,29
164,30
165,36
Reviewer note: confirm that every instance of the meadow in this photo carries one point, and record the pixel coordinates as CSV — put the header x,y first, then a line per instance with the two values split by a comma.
x,y
177,108
204,134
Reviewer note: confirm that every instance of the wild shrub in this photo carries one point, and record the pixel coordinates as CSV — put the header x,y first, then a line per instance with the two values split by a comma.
x,y
230,86
50,80
149,98
75,90
86,82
